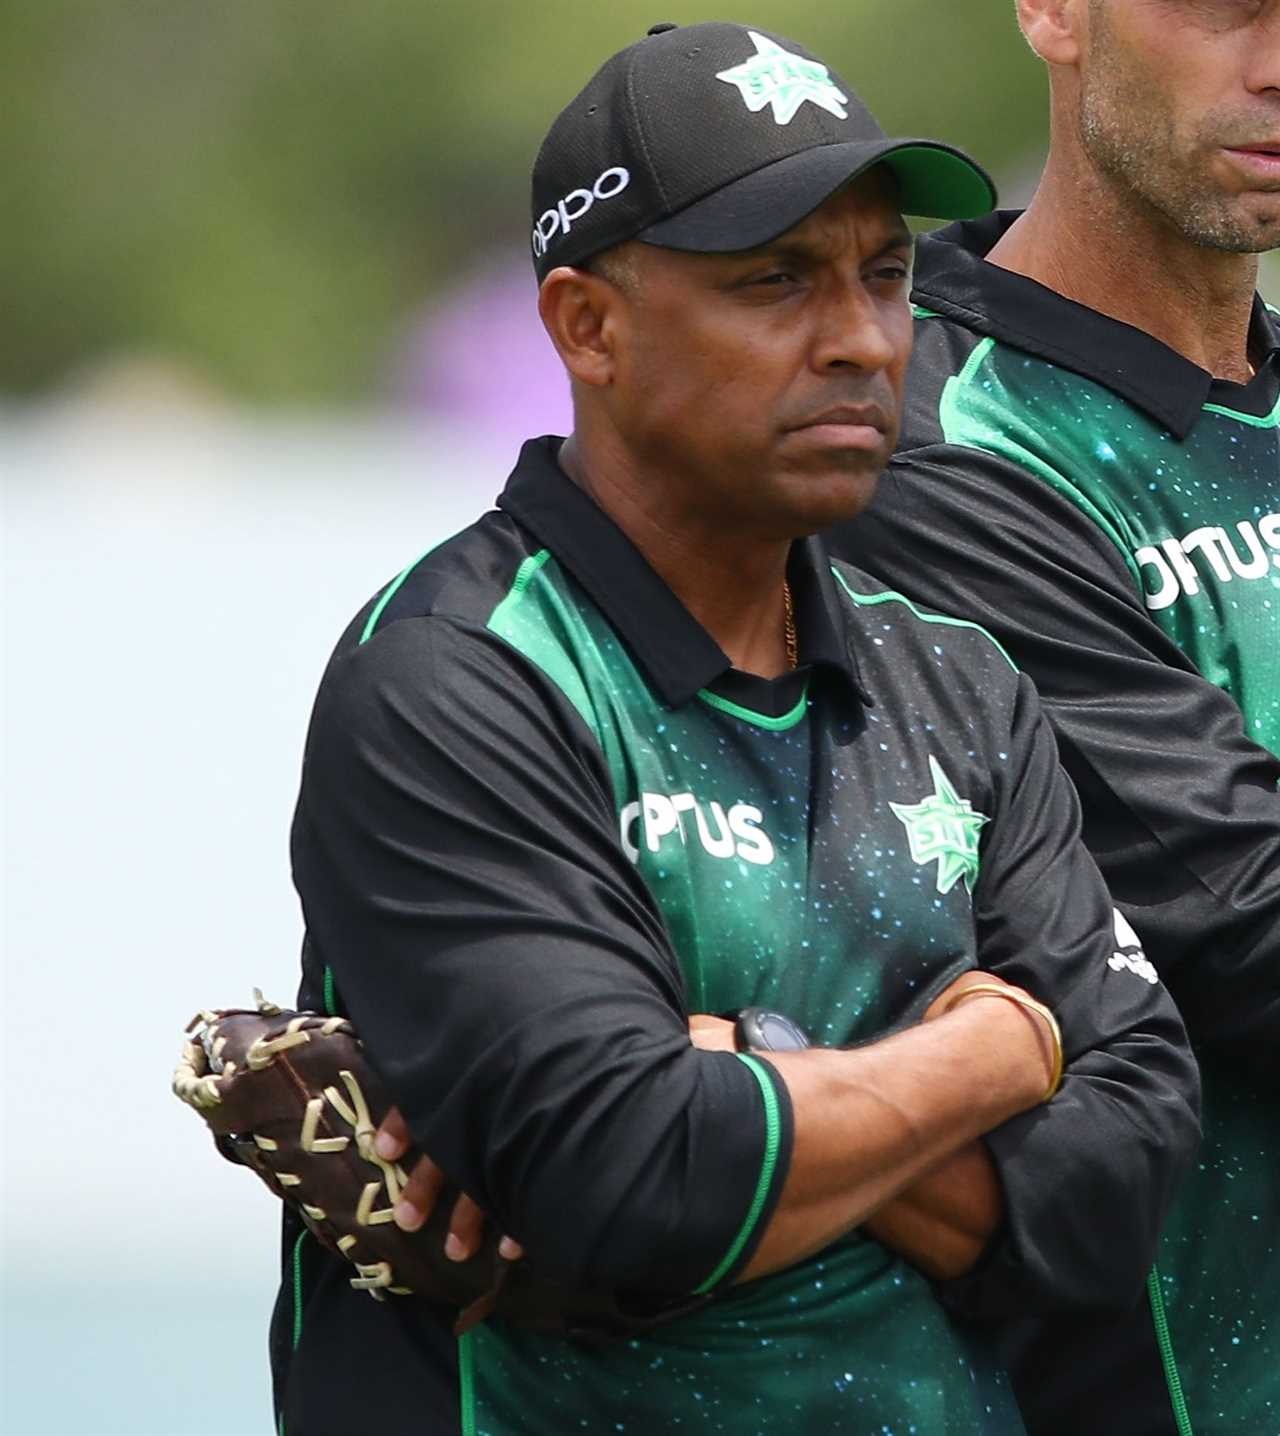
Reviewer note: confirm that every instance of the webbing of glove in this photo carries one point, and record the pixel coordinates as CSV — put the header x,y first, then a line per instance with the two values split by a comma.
x,y
292,1096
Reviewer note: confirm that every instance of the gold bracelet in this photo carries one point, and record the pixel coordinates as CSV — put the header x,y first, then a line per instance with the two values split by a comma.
x,y
1023,999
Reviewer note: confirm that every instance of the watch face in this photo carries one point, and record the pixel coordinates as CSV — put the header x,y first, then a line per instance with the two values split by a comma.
x,y
766,1031
781,1034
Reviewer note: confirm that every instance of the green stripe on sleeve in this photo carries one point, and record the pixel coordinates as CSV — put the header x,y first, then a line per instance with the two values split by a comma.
x,y
522,621
467,1383
768,1168
388,594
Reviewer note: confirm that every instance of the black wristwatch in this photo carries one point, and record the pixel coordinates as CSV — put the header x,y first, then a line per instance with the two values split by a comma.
x,y
756,1029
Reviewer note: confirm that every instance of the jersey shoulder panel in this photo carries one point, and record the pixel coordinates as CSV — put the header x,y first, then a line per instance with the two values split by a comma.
x,y
495,579
1049,422
1193,517
464,577
941,674
941,349
878,609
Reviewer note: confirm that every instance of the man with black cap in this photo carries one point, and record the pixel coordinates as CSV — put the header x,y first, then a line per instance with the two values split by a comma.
x,y
631,750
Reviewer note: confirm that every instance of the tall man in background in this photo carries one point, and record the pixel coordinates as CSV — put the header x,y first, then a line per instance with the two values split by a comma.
x,y
1090,467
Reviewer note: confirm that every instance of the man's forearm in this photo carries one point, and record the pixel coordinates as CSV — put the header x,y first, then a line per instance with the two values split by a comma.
x,y
943,1222
872,1122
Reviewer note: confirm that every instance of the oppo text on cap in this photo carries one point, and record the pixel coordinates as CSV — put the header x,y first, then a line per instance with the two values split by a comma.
x,y
561,218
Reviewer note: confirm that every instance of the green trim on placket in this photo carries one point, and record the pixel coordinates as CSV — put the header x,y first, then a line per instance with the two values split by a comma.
x,y
759,720
297,1288
467,1383
1173,1381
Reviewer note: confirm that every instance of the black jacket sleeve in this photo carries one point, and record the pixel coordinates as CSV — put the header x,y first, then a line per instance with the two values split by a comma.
x,y
1089,1176
1181,808
456,853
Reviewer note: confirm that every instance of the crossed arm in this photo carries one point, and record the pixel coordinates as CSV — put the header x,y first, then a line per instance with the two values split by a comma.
x,y
886,1137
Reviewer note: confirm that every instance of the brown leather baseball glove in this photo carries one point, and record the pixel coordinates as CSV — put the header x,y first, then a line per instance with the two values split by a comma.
x,y
293,1096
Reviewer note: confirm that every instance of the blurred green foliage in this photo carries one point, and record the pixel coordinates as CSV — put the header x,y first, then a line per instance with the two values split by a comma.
x,y
267,188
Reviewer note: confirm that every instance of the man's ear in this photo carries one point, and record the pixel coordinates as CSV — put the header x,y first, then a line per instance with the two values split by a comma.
x,y
1055,29
578,311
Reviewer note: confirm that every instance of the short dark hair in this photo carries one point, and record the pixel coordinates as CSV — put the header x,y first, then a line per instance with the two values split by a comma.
x,y
617,264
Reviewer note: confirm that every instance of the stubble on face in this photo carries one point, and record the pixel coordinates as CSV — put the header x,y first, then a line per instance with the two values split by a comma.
x,y
1138,132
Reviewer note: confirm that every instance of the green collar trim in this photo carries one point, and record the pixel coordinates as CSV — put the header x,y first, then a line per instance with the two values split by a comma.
x,y
759,720
1264,421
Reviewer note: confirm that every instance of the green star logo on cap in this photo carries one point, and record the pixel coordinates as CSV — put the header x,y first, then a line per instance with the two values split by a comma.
x,y
944,828
774,76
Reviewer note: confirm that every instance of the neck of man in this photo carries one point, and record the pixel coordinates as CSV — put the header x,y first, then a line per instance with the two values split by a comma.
x,y
732,584
1105,247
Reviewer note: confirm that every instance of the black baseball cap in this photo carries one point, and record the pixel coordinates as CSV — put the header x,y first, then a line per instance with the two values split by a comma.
x,y
720,137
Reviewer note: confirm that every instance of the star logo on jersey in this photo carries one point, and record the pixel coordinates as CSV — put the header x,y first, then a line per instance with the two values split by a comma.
x,y
774,76
943,828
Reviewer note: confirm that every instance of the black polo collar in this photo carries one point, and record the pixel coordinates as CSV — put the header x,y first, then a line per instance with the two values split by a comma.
x,y
678,654
953,278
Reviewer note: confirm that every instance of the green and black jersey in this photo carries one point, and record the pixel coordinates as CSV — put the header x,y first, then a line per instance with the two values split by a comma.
x,y
542,820
1112,514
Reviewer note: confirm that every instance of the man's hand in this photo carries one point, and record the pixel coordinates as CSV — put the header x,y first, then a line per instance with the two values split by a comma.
x,y
711,1034
466,1226
943,1223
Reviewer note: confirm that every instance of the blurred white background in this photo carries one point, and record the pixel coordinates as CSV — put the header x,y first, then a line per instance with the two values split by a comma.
x,y
172,590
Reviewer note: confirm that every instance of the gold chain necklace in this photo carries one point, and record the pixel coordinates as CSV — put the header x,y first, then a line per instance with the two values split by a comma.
x,y
789,627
